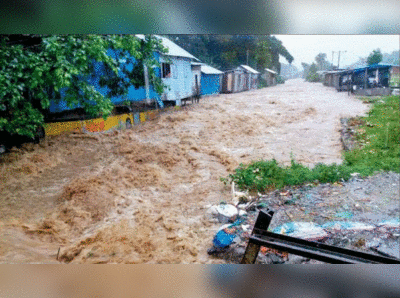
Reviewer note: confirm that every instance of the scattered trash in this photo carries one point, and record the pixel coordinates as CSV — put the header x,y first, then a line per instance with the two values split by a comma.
x,y
212,210
275,259
347,215
303,230
347,225
359,243
242,213
246,228
238,196
262,205
226,236
227,213
291,201
390,223
344,214
285,193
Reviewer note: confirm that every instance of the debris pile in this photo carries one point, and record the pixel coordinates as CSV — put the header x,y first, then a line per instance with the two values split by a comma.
x,y
314,213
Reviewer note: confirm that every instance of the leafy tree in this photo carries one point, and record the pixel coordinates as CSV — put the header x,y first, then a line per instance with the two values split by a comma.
x,y
312,75
306,69
391,58
374,57
322,63
263,55
229,51
31,77
231,56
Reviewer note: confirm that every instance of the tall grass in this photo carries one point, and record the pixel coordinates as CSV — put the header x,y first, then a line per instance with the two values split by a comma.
x,y
378,138
378,149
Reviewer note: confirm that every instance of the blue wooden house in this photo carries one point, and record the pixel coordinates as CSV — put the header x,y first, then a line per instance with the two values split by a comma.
x,y
175,72
211,80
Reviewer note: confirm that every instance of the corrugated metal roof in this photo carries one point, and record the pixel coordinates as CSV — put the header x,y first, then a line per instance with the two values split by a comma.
x,y
248,68
271,71
207,69
373,66
335,71
173,48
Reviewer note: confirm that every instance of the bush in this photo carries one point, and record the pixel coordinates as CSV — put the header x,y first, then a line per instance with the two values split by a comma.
x,y
262,83
262,175
313,78
280,79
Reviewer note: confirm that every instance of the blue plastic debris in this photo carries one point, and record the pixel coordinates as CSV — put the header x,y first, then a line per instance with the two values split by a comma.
x,y
303,230
344,214
223,239
286,228
227,234
347,225
390,223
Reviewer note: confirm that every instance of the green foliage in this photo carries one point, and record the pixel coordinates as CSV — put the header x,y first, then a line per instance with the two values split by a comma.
x,y
312,75
379,150
264,175
395,81
375,57
262,83
140,54
280,79
378,138
263,55
310,70
230,51
322,63
31,77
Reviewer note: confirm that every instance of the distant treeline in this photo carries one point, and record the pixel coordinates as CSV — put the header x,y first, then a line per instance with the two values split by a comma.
x,y
228,51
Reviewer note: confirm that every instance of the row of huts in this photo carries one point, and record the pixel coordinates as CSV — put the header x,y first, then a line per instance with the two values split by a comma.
x,y
186,77
376,79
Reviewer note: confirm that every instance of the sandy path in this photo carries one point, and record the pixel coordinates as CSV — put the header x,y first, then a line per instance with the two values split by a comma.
x,y
170,167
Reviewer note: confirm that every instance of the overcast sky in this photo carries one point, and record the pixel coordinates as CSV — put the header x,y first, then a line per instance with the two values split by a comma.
x,y
304,48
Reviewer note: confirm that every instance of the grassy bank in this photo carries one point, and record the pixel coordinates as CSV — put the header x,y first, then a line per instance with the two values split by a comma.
x,y
378,149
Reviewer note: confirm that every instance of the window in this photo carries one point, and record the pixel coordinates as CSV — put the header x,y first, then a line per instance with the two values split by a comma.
x,y
166,70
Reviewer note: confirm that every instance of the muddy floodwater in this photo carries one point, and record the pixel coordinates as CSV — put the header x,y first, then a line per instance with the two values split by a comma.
x,y
139,196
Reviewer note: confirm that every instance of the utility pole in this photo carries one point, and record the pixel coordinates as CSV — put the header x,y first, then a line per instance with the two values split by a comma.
x,y
247,60
339,58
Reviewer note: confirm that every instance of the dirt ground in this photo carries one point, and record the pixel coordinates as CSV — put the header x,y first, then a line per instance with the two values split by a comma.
x,y
139,196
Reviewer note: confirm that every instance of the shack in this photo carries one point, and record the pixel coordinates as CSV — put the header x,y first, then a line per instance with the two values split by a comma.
x,y
232,81
332,78
211,80
345,80
196,78
372,80
270,77
250,77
